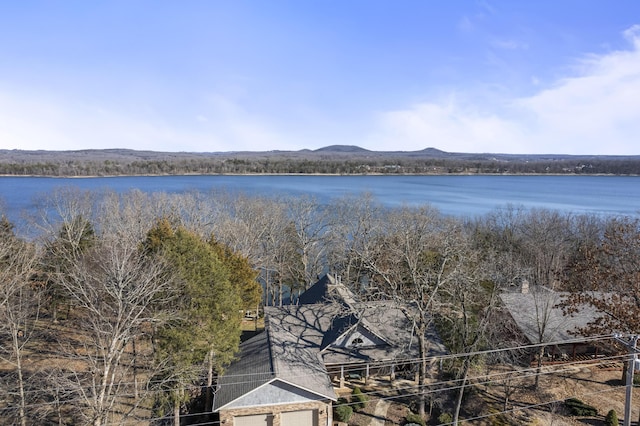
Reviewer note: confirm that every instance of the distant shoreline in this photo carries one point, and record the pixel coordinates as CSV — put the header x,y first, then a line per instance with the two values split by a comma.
x,y
336,160
316,174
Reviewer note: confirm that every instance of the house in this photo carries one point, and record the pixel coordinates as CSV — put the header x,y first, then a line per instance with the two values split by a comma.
x,y
286,375
539,318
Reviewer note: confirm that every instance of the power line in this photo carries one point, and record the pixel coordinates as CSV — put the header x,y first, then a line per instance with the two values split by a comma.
x,y
404,361
440,386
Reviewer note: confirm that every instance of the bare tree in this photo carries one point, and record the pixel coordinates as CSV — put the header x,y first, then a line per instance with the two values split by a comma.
x,y
114,286
260,229
310,222
606,275
354,223
412,255
545,243
19,310
65,220
468,307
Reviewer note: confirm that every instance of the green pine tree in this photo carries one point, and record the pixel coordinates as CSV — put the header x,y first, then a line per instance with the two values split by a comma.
x,y
206,330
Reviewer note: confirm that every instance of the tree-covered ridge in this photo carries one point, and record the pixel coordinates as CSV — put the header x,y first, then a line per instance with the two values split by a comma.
x,y
329,160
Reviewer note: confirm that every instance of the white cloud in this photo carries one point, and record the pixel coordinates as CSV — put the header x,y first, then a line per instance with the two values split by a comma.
x,y
33,122
41,122
594,111
448,125
632,34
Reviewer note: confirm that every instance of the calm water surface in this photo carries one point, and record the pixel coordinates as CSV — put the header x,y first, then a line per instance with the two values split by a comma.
x,y
453,195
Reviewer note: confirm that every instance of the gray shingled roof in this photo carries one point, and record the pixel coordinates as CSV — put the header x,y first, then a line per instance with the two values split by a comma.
x,y
326,290
298,343
253,368
273,355
540,319
320,325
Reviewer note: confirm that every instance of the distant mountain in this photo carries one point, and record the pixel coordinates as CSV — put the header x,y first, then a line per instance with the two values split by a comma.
x,y
433,151
342,149
339,151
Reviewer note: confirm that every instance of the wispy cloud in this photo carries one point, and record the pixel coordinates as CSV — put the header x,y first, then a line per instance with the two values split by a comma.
x,y
465,24
592,111
48,122
509,44
41,122
451,125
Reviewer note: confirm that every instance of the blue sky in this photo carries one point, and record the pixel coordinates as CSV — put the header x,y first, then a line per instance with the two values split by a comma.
x,y
503,76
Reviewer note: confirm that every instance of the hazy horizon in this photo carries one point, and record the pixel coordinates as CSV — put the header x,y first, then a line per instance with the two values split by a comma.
x,y
496,76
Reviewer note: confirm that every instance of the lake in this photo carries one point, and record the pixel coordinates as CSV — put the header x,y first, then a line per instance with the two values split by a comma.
x,y
453,195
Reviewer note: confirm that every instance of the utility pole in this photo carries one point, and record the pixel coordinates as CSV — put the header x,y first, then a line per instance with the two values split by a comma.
x,y
633,355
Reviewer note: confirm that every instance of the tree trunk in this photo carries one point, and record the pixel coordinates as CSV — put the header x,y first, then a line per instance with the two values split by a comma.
x,y
209,391
54,313
539,367
176,412
463,383
422,376
18,353
135,369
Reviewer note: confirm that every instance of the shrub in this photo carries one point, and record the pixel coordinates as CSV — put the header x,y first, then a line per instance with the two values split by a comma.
x,y
342,413
579,408
445,418
414,419
611,419
359,399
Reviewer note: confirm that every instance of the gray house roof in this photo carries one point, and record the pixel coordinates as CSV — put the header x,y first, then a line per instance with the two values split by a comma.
x,y
301,340
540,318
325,326
253,369
327,289
273,356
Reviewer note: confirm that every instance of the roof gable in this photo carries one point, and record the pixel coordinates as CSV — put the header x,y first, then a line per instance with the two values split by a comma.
x,y
359,337
274,392
345,328
326,290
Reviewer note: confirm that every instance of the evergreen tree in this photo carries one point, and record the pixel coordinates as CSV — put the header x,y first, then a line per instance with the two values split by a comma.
x,y
611,419
207,330
243,277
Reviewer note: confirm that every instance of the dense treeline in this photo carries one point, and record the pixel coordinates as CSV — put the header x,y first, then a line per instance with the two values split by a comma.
x,y
125,306
317,164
